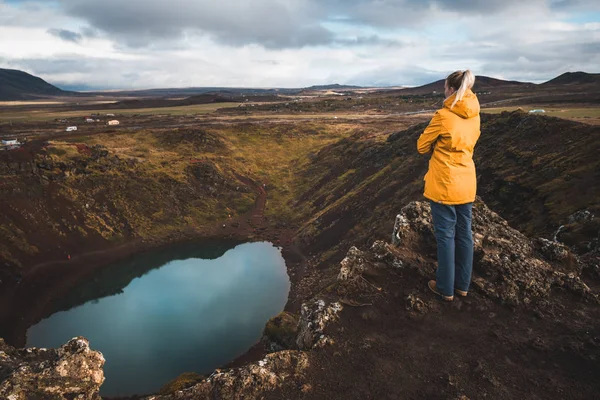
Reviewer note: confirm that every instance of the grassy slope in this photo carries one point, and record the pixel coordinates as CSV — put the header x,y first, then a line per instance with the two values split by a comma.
x,y
11,115
343,180
590,112
88,192
16,85
534,170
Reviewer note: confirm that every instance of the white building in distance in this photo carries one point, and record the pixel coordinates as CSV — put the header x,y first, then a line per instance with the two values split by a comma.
x,y
113,122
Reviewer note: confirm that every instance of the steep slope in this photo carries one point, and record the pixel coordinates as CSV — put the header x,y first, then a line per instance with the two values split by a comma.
x,y
535,171
367,326
527,329
19,85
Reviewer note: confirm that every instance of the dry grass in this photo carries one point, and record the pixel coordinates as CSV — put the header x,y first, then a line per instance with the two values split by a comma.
x,y
584,112
275,159
28,103
270,153
37,115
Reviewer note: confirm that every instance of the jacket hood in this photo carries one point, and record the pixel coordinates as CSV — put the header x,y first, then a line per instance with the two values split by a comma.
x,y
468,107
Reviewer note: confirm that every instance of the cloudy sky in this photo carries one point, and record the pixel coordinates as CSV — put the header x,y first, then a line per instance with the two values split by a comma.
x,y
119,44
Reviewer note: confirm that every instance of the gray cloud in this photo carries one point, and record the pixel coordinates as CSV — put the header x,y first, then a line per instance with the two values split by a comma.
x,y
408,75
72,64
371,40
89,32
537,61
586,5
74,72
180,42
65,34
271,23
410,13
267,62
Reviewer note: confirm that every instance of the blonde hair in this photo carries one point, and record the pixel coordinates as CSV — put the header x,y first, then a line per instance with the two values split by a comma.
x,y
461,81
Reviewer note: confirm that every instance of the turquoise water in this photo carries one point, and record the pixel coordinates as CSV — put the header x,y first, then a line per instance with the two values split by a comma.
x,y
189,314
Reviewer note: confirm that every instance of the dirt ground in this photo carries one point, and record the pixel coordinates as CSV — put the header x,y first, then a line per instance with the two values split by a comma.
x,y
468,348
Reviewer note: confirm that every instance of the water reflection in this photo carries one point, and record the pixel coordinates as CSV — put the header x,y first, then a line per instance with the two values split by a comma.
x,y
113,279
188,315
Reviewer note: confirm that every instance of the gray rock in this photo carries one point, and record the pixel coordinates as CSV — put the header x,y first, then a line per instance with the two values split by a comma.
x,y
71,372
314,318
581,216
507,266
277,371
352,265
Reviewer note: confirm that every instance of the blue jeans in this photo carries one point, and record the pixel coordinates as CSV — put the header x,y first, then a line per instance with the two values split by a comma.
x,y
452,225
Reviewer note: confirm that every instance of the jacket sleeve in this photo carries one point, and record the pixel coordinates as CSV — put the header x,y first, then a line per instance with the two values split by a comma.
x,y
430,134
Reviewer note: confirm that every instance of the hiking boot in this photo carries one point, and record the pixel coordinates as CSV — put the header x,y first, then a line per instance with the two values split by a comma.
x,y
461,293
433,288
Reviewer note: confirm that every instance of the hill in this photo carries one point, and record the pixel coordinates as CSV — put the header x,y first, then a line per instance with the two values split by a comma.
x,y
194,91
533,303
486,83
335,86
482,83
521,175
574,78
161,102
19,85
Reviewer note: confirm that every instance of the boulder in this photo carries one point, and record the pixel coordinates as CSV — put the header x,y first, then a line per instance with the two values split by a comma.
x,y
278,371
508,266
73,371
280,332
314,318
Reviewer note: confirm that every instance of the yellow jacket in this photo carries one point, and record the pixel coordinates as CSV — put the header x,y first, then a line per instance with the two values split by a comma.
x,y
452,135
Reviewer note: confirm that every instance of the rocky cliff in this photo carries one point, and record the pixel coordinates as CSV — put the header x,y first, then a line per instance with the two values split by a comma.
x,y
361,322
528,326
377,330
71,372
539,173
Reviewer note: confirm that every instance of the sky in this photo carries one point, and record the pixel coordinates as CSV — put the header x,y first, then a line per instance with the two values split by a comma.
x,y
140,44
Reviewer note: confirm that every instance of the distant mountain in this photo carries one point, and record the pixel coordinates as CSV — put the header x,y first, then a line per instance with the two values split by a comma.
x,y
482,83
335,86
162,102
485,82
19,85
193,91
574,78
224,91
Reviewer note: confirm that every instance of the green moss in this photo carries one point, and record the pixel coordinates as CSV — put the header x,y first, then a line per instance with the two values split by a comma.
x,y
183,381
16,237
56,151
282,329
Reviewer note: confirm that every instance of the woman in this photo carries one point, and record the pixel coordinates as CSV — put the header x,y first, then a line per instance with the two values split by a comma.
x,y
450,183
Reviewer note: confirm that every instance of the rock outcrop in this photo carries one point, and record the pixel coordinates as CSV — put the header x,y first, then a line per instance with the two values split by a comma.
x,y
278,371
280,332
314,318
507,266
509,269
73,372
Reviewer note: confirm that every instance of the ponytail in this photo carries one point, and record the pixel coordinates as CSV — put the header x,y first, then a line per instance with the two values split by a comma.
x,y
461,81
